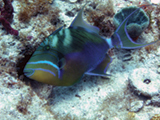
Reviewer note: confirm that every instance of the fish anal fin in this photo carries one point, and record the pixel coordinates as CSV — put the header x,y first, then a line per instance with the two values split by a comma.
x,y
101,68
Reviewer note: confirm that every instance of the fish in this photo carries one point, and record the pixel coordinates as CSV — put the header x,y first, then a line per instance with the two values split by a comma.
x,y
66,55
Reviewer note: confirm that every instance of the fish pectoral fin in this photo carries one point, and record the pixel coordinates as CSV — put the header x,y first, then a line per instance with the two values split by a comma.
x,y
101,68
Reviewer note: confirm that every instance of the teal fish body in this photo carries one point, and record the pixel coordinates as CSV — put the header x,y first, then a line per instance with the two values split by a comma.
x,y
67,54
64,56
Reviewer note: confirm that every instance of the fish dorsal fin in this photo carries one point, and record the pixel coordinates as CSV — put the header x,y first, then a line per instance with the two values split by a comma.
x,y
78,21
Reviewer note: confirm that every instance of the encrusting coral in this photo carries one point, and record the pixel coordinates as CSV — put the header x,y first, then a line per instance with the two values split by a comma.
x,y
101,16
29,9
156,117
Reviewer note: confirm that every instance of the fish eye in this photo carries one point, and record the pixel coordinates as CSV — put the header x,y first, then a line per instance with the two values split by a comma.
x,y
47,47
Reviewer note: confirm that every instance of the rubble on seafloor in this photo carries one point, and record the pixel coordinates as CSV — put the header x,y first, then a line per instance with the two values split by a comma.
x,y
132,92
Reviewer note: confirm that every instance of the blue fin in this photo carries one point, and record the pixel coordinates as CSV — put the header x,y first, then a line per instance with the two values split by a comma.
x,y
78,21
101,68
121,38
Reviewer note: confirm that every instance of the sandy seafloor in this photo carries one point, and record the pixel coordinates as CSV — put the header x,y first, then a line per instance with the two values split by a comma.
x,y
132,92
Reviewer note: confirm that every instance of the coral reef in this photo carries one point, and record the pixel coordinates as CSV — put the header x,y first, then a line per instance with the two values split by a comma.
x,y
101,16
6,17
29,9
35,7
94,97
136,106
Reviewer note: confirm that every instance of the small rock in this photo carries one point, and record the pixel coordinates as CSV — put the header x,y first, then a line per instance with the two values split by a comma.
x,y
145,82
114,118
155,101
72,1
131,115
70,14
158,70
127,57
148,102
136,106
155,1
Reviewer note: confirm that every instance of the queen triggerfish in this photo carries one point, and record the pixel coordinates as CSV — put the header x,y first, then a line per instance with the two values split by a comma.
x,y
67,54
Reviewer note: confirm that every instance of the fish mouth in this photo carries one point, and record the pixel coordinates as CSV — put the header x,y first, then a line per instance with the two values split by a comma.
x,y
28,72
